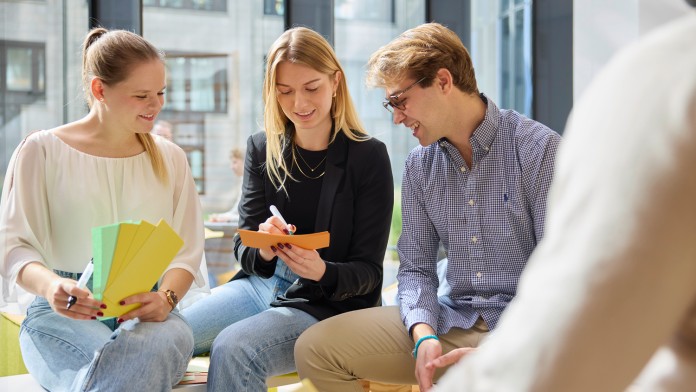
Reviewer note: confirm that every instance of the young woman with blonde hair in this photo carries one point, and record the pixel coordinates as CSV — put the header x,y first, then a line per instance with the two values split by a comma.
x,y
317,164
102,169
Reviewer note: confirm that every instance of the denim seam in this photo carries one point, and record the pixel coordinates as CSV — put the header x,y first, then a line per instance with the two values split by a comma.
x,y
34,331
89,377
261,351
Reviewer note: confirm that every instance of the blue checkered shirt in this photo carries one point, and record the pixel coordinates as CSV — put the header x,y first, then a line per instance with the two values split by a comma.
x,y
488,217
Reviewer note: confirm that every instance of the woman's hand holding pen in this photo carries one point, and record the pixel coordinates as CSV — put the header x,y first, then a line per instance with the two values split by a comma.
x,y
304,262
86,307
273,225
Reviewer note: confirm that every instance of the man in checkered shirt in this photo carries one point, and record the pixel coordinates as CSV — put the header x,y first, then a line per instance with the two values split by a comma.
x,y
477,184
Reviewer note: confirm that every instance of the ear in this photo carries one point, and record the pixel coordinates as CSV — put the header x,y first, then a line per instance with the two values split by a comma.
x,y
97,88
337,78
443,80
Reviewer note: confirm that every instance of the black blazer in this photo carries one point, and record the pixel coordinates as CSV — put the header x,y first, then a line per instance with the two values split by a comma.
x,y
355,206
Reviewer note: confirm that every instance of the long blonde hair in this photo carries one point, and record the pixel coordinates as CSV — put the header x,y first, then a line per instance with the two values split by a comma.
x,y
110,56
301,45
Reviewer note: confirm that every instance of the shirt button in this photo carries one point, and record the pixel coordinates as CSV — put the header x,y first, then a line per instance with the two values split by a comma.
x,y
463,169
471,202
474,239
478,274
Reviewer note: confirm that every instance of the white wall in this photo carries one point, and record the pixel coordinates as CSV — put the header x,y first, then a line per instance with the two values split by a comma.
x,y
601,28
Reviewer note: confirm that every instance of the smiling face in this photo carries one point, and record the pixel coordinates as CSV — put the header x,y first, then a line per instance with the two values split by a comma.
x,y
305,96
134,103
416,109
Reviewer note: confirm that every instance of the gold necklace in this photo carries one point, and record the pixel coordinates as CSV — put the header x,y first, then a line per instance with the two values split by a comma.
x,y
300,168
305,162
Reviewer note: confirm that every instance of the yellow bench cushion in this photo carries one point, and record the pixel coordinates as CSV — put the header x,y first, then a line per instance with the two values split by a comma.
x,y
11,362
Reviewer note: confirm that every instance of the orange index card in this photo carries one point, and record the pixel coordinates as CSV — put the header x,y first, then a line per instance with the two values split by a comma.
x,y
255,239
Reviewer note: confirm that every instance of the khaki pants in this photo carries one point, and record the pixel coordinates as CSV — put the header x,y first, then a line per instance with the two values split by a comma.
x,y
370,344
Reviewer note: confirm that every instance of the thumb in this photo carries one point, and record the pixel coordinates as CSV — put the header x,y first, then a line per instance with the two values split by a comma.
x,y
451,357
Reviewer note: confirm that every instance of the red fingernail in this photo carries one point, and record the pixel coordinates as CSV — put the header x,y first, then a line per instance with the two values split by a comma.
x,y
122,303
103,306
273,248
280,245
289,246
100,314
286,231
94,318
119,320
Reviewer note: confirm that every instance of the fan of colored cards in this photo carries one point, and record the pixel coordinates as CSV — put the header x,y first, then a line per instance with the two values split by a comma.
x,y
129,258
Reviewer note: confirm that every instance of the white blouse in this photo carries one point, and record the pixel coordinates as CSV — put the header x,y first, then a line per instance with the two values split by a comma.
x,y
54,195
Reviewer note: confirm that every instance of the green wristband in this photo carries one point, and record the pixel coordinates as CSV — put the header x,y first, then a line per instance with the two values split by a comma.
x,y
426,337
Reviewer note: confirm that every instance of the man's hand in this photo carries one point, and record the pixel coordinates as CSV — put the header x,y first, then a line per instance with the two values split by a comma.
x,y
428,351
450,358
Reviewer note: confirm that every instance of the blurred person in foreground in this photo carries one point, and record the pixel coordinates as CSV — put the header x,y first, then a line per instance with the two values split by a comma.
x,y
609,297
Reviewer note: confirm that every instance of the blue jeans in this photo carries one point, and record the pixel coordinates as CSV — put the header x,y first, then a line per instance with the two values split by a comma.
x,y
89,355
248,339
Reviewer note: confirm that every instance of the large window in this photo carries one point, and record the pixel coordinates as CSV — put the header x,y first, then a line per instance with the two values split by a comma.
x,y
274,7
196,85
516,55
23,70
501,48
39,69
23,66
378,11
207,5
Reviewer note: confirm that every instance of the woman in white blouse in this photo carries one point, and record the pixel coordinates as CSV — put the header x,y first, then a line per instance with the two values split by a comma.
x,y
102,169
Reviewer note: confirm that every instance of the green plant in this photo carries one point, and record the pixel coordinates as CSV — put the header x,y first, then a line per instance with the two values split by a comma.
x,y
395,229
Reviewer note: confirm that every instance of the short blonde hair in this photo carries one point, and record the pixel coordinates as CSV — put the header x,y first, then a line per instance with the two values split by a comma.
x,y
301,45
419,53
237,153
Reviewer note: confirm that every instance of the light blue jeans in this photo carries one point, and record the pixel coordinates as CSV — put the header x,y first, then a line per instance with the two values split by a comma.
x,y
89,355
248,339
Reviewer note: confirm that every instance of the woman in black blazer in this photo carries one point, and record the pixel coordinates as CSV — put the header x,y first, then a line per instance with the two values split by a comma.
x,y
318,166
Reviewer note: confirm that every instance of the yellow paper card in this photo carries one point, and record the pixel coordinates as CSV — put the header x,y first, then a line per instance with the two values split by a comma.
x,y
144,269
143,231
126,232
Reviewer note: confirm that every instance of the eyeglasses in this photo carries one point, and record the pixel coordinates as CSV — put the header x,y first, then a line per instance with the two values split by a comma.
x,y
393,102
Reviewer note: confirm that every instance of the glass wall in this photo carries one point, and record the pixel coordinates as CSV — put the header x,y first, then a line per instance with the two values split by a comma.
x,y
215,63
501,48
215,67
39,68
359,31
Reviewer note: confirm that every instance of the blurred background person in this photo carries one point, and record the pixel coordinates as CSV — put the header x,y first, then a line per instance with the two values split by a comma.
x,y
237,166
164,129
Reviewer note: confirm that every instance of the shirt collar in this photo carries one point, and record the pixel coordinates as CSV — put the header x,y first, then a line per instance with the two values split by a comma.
x,y
485,133
488,129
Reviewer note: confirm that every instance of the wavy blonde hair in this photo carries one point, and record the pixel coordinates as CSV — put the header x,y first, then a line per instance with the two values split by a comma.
x,y
419,53
110,56
301,45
